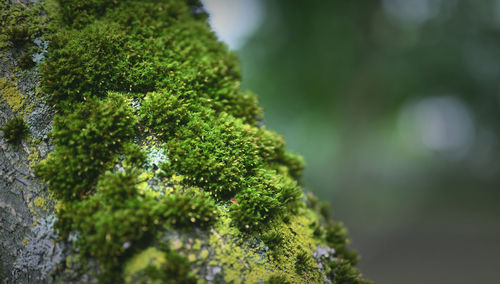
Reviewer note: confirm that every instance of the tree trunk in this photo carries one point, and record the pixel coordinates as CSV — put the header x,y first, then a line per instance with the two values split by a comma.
x,y
159,168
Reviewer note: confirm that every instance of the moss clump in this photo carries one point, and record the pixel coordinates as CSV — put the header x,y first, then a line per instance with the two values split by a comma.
x,y
160,45
155,266
118,219
336,237
116,215
277,279
304,263
165,113
15,130
20,23
220,152
121,74
87,143
230,158
21,26
26,61
273,239
266,196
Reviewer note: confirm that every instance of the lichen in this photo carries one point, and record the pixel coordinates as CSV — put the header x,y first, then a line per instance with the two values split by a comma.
x,y
11,95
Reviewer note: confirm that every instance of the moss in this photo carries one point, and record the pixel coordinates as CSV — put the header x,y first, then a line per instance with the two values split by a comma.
x,y
273,239
220,153
15,130
230,158
165,113
159,45
40,202
126,74
26,61
336,237
108,220
118,218
176,270
342,272
82,12
277,279
87,141
267,196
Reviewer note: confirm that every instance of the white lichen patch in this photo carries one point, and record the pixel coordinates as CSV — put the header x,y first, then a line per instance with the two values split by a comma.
x,y
41,251
155,157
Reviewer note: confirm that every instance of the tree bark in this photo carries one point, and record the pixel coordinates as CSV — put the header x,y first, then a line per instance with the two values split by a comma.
x,y
294,242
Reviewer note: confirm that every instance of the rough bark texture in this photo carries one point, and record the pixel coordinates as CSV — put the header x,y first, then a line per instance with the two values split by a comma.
x,y
159,167
28,252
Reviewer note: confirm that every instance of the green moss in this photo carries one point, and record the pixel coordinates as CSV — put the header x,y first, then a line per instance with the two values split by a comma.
x,y
230,158
159,45
267,195
118,219
135,266
79,13
26,61
303,263
115,215
188,208
124,74
336,237
165,113
272,239
218,154
277,279
15,130
20,23
87,141
86,63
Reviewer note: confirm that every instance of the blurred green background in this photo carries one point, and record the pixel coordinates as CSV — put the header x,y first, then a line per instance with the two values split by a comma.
x,y
395,106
